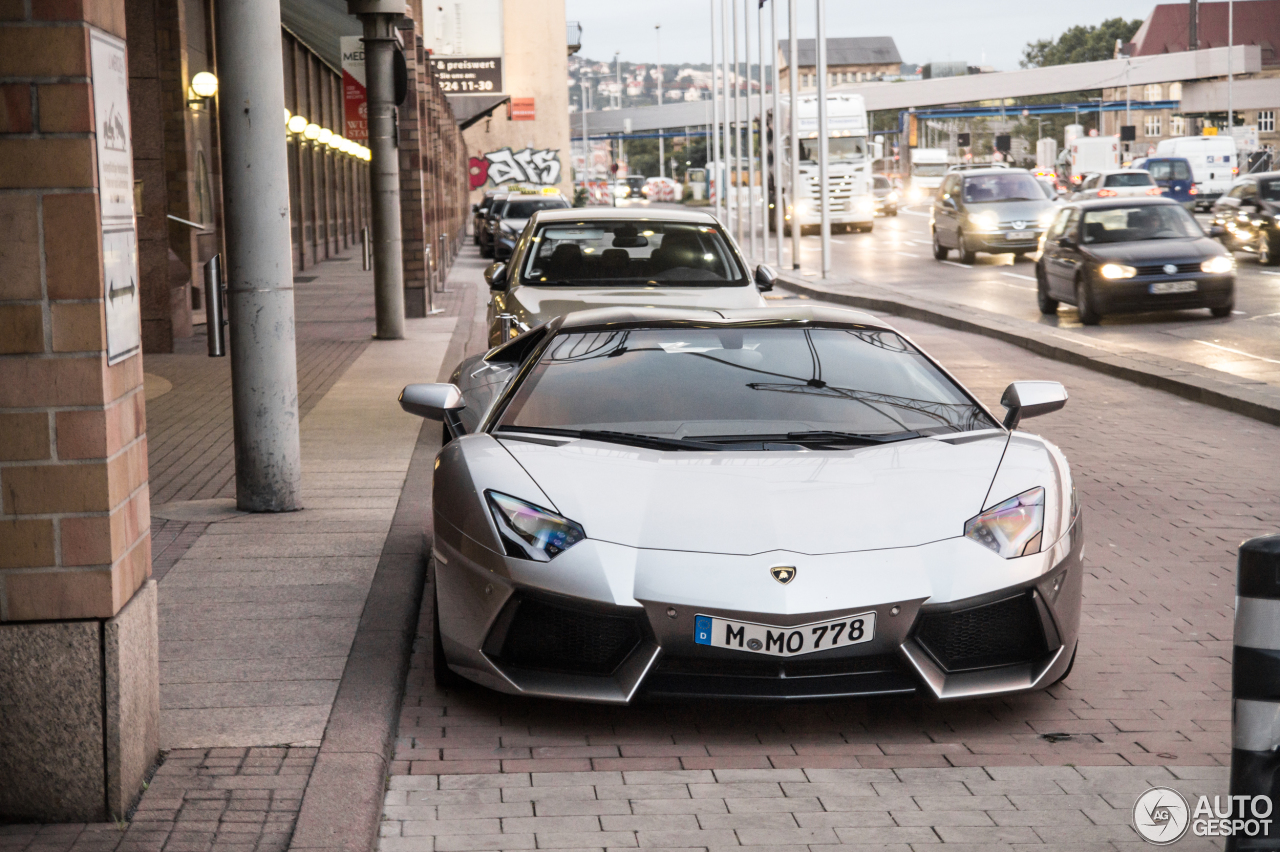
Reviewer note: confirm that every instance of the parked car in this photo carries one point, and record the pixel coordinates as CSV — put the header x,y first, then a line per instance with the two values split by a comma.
x,y
508,217
1249,215
1116,183
886,196
777,504
484,234
1124,255
569,260
989,210
481,209
1173,176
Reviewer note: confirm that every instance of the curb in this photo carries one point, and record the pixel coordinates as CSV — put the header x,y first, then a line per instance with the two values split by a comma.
x,y
1199,384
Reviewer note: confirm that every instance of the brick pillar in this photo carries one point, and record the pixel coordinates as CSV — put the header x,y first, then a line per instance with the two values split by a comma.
x,y
79,672
412,223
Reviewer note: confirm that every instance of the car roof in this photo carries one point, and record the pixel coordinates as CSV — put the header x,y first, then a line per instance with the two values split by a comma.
x,y
1141,200
1004,170
772,317
1260,175
1121,171
636,213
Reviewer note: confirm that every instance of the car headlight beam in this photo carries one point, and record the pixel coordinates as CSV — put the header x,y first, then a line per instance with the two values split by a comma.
x,y
987,220
1012,528
531,532
1046,218
1219,265
1114,271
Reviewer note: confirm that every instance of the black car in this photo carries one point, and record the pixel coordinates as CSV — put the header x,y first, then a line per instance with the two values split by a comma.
x,y
478,211
1249,215
1125,255
507,218
484,231
992,210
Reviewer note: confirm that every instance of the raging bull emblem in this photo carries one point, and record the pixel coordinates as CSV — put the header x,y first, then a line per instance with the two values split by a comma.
x,y
783,573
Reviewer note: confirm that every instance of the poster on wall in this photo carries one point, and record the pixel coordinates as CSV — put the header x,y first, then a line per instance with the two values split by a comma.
x,y
463,75
121,298
355,100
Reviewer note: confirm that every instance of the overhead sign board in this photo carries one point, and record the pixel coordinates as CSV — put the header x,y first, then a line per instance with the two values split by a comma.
x,y
463,75
121,298
355,99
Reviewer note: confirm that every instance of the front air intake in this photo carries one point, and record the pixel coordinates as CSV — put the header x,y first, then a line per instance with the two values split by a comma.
x,y
563,638
1002,633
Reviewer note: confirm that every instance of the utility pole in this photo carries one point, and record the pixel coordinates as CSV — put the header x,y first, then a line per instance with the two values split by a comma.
x,y
617,69
255,180
379,20
1231,40
586,143
1193,33
764,141
657,29
751,141
728,151
737,131
713,138
793,84
824,138
777,134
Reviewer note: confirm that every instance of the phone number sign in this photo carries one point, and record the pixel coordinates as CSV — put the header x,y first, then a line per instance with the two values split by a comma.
x,y
468,74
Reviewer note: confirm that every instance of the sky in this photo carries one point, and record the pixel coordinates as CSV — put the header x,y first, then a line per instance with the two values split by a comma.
x,y
953,30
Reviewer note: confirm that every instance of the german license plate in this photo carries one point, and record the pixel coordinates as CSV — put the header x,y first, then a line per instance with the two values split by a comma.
x,y
1173,287
784,641
1020,235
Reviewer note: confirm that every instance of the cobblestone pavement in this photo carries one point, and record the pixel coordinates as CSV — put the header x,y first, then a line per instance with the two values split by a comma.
x,y
1169,489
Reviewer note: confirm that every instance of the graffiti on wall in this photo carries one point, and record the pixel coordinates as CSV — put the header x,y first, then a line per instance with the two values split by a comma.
x,y
508,166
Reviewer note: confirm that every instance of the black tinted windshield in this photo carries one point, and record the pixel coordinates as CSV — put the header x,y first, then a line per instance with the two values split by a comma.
x,y
1129,179
631,253
523,208
1269,190
1130,224
1010,187
697,383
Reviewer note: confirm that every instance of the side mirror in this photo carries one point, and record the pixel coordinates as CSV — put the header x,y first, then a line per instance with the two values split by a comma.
x,y
475,208
1216,231
1031,399
765,278
1065,241
435,402
496,276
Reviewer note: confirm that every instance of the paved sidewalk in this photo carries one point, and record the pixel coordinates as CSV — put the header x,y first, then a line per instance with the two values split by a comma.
x,y
1169,488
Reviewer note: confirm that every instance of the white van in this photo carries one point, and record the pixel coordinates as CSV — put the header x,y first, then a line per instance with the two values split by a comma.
x,y
1213,163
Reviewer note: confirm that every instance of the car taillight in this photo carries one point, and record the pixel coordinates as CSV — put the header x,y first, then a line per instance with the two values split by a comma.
x,y
1192,191
1107,193
1155,190
1235,171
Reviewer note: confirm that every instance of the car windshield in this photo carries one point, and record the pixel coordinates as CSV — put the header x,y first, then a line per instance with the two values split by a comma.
x,y
738,383
929,169
979,189
1269,190
525,207
848,148
631,253
1148,222
1129,179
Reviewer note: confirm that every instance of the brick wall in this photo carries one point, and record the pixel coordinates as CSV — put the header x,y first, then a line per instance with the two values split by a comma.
x,y
74,515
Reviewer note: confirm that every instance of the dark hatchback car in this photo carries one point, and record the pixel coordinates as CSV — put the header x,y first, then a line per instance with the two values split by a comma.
x,y
1249,215
992,210
479,211
1127,255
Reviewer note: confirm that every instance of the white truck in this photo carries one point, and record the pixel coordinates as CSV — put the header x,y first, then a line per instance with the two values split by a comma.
x,y
1213,159
928,169
1093,154
851,205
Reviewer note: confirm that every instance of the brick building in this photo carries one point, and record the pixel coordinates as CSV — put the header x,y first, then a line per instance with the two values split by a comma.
x,y
849,60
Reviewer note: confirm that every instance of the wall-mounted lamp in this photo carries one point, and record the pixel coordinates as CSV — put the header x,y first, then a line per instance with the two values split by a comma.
x,y
324,136
297,124
311,132
204,86
287,115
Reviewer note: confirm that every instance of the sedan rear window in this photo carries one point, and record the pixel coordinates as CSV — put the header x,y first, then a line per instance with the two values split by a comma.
x,y
602,252
1010,187
698,384
1169,170
525,207
1148,222
1130,179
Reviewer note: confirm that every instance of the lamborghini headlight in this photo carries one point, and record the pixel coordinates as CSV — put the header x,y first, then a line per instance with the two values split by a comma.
x,y
987,220
1012,528
1114,271
1219,265
530,532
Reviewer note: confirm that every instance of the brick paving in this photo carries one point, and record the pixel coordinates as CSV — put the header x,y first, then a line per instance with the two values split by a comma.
x,y
1169,489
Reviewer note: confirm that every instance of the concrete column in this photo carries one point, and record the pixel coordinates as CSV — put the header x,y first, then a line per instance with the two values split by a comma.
x,y
79,663
379,19
264,370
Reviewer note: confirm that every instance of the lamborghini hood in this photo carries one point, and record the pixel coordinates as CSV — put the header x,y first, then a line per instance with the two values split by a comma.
x,y
867,498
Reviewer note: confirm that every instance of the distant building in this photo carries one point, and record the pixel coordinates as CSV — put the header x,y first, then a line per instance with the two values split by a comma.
x,y
849,60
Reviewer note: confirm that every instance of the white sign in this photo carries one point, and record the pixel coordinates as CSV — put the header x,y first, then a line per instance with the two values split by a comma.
x,y
115,195
471,28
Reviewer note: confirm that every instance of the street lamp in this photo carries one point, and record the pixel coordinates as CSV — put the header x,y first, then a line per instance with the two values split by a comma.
x,y
202,88
297,124
311,132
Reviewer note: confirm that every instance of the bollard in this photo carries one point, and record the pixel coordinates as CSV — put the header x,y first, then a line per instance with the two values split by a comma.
x,y
214,315
365,256
1255,682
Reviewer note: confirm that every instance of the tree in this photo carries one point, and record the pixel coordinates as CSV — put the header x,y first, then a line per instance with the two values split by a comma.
x,y
1080,44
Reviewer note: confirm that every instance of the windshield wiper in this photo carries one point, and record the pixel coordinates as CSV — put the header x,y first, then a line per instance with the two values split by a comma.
x,y
653,442
814,437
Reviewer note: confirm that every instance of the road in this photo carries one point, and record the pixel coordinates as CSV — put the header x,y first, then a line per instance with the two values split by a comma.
x,y
897,255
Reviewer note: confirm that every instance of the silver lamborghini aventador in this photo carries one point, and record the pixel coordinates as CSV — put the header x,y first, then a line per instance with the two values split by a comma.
x,y
776,503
